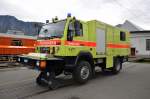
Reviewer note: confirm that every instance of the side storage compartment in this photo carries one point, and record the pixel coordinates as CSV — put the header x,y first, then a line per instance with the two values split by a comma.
x,y
100,41
100,38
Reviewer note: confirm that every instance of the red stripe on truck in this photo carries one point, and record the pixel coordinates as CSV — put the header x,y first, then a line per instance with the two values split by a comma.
x,y
48,42
80,43
111,45
70,43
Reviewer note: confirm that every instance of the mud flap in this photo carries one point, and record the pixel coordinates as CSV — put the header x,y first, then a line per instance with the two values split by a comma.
x,y
109,61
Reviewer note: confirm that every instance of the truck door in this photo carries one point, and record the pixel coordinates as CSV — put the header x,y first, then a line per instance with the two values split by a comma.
x,y
75,37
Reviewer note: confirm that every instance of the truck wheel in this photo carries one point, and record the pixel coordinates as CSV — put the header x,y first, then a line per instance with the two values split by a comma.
x,y
82,72
117,66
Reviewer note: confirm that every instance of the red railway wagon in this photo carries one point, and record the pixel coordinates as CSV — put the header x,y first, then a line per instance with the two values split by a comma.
x,y
12,45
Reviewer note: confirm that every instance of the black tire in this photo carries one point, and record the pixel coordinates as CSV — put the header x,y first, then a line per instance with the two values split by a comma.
x,y
117,66
82,73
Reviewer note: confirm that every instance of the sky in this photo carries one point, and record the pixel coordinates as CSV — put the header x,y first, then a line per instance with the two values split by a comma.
x,y
109,11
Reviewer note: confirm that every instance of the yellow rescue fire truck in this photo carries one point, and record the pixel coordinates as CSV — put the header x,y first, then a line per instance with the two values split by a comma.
x,y
77,47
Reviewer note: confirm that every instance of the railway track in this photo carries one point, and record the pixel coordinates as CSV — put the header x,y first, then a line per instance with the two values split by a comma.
x,y
20,90
26,88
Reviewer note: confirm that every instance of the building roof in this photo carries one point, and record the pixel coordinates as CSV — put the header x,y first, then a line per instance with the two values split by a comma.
x,y
145,31
17,36
129,26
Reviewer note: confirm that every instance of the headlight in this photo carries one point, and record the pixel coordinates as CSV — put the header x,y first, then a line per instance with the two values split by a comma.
x,y
37,63
25,60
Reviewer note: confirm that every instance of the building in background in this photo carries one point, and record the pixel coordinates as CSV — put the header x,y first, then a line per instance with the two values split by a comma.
x,y
140,43
140,39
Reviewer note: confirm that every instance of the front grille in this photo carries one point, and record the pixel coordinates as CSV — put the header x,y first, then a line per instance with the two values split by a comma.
x,y
45,50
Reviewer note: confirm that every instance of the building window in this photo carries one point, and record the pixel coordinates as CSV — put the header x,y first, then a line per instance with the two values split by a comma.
x,y
122,36
16,43
148,44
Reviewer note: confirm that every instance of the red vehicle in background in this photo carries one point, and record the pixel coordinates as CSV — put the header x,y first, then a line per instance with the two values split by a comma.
x,y
12,45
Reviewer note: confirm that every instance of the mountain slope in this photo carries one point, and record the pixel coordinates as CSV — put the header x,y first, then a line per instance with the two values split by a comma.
x,y
10,22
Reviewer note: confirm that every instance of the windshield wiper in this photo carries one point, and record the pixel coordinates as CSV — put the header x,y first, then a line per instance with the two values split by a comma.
x,y
46,38
55,36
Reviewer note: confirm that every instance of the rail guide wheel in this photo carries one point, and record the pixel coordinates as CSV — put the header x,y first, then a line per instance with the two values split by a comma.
x,y
49,79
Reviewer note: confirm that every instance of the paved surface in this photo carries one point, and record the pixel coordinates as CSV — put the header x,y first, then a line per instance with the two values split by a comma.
x,y
4,65
132,83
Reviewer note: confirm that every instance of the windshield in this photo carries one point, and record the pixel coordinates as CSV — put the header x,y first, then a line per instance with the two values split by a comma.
x,y
53,30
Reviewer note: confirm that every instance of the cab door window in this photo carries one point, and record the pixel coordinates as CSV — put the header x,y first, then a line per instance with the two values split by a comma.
x,y
78,28
75,29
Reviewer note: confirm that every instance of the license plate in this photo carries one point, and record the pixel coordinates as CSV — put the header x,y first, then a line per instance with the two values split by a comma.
x,y
25,60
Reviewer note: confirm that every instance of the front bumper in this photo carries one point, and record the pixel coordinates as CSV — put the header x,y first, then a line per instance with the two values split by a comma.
x,y
35,63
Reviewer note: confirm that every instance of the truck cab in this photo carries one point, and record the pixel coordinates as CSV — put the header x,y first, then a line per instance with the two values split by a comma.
x,y
61,37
